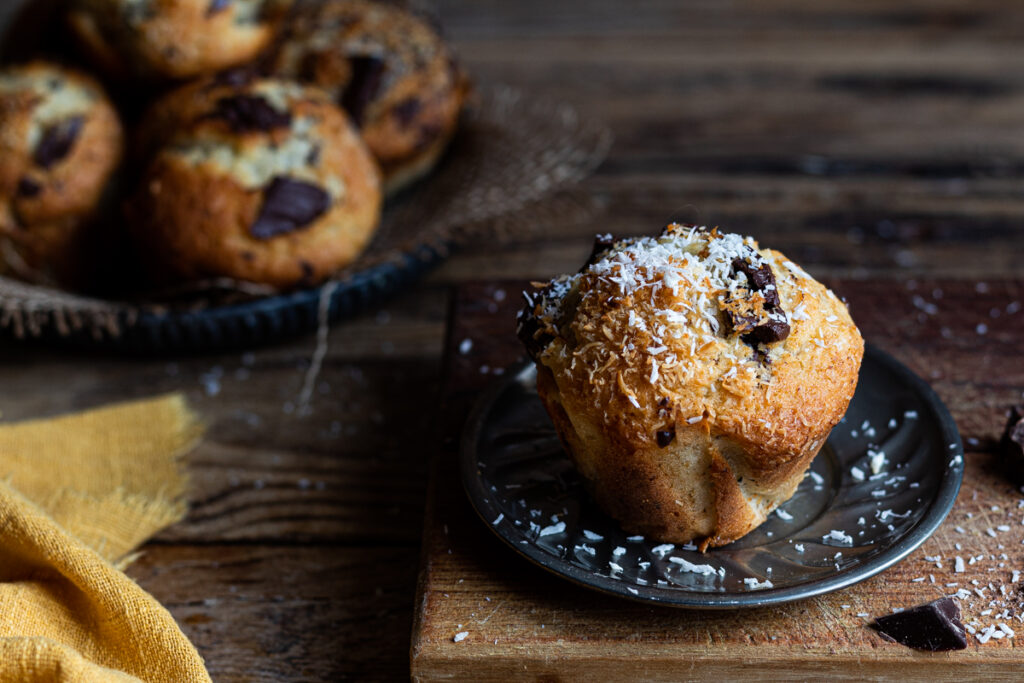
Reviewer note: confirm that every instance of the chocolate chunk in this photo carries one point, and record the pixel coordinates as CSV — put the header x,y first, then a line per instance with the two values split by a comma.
x,y
216,6
288,205
935,627
367,76
1011,445
665,436
406,110
28,187
761,279
740,323
245,113
602,243
663,402
767,332
57,141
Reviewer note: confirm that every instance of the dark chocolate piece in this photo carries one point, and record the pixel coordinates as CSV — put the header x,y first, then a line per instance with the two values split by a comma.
x,y
739,323
28,187
216,6
57,141
767,332
665,436
935,627
1011,445
761,279
367,76
288,205
406,110
245,113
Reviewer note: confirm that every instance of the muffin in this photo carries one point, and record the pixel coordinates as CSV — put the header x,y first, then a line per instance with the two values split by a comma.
x,y
270,184
692,378
60,143
391,72
174,39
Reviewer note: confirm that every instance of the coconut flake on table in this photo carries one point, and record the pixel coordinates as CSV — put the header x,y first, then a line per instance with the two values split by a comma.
x,y
754,584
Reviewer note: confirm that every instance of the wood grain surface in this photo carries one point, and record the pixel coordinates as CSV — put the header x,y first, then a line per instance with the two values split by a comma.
x,y
872,141
523,623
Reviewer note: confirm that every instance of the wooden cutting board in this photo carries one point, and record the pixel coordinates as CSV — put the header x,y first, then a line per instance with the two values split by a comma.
x,y
966,338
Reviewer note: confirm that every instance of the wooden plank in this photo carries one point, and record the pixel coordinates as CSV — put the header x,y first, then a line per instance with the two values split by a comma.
x,y
525,623
273,613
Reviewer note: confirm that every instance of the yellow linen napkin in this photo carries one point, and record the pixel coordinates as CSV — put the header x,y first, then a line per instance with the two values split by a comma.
x,y
77,494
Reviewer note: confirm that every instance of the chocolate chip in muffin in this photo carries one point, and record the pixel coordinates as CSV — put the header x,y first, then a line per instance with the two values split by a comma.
x,y
767,332
57,141
288,205
935,627
247,113
367,76
761,279
760,320
28,187
665,436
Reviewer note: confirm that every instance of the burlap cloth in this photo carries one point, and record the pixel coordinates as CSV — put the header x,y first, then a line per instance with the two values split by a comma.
x,y
504,177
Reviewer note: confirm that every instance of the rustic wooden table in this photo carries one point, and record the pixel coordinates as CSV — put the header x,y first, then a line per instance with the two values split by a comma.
x,y
868,140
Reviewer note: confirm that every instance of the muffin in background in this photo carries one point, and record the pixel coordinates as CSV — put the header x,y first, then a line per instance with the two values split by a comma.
x,y
174,39
266,182
692,378
60,144
389,69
